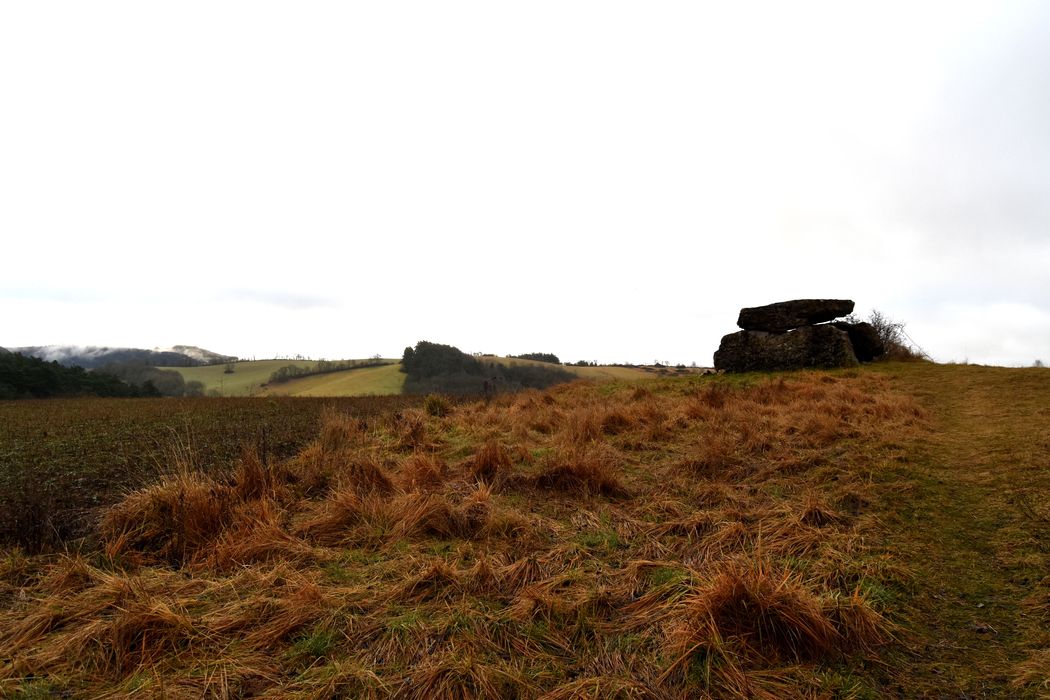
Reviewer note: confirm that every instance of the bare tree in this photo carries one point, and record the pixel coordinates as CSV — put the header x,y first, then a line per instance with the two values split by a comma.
x,y
898,344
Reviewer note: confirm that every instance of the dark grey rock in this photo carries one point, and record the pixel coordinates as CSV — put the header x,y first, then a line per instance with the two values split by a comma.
x,y
813,346
867,344
786,315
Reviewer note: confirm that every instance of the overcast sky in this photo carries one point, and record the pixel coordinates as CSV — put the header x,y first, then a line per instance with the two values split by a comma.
x,y
602,180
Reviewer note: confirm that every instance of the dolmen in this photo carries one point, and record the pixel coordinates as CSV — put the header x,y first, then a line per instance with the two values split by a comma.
x,y
798,334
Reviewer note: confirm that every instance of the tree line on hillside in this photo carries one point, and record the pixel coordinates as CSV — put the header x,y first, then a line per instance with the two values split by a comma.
x,y
547,357
437,368
168,382
93,357
24,377
289,372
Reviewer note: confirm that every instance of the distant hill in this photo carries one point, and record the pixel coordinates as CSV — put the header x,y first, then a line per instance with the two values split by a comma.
x,y
23,377
437,368
252,378
204,357
90,357
247,379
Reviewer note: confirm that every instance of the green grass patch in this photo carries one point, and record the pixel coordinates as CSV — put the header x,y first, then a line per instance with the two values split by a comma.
x,y
247,379
370,381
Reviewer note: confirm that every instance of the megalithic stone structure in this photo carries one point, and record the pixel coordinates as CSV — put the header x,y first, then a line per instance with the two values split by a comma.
x,y
795,335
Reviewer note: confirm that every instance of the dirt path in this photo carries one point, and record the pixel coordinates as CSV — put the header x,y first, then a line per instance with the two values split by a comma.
x,y
969,514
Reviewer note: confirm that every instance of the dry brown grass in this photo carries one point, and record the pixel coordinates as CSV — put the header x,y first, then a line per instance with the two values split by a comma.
x,y
334,520
422,471
171,520
683,539
365,474
604,688
411,430
258,534
254,479
770,615
490,462
582,471
1034,673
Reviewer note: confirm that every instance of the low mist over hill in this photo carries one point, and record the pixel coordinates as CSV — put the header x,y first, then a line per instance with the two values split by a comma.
x,y
24,377
90,357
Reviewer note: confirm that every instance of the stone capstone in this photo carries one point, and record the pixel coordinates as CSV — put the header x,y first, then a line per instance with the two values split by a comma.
x,y
788,315
822,346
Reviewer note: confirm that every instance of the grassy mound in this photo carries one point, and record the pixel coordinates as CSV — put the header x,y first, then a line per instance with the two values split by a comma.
x,y
691,537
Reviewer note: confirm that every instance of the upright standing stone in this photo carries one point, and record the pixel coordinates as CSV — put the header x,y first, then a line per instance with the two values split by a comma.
x,y
823,347
865,339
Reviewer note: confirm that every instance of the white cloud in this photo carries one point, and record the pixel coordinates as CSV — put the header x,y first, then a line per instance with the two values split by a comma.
x,y
595,179
995,333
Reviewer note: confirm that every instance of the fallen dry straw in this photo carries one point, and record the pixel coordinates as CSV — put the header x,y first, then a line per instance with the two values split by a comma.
x,y
577,543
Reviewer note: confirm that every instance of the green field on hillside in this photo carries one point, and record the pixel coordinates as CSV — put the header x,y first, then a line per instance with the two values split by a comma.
x,y
379,381
601,373
247,378
607,373
367,381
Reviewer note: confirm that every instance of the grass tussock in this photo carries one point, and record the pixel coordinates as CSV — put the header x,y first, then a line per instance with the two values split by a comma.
x,y
582,542
141,633
602,688
490,463
462,677
1033,674
340,431
754,615
422,471
334,519
412,432
254,479
365,474
582,471
769,613
259,534
172,520
338,679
